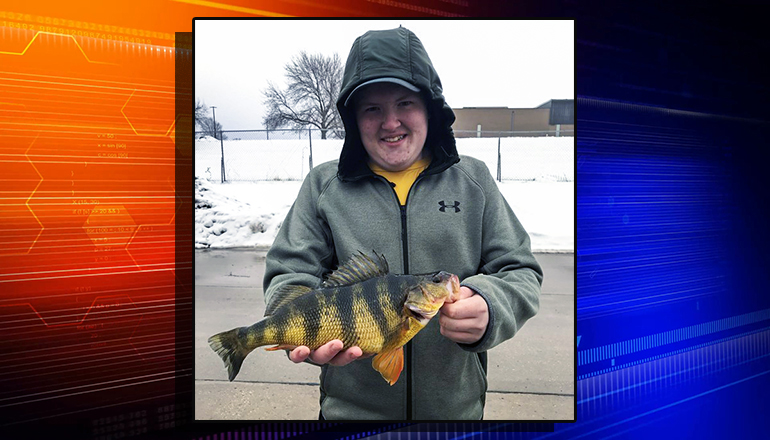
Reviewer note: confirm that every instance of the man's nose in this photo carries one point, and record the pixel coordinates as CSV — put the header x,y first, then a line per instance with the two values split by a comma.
x,y
390,120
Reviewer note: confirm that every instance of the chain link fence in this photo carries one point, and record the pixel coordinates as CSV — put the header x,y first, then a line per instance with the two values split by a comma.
x,y
257,155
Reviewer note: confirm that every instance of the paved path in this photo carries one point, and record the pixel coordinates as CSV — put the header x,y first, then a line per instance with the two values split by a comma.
x,y
531,377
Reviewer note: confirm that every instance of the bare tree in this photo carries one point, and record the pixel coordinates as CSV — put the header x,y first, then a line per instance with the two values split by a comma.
x,y
201,110
314,83
208,129
205,122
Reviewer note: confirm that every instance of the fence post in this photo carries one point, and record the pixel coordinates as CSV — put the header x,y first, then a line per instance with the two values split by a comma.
x,y
267,134
222,145
310,156
499,164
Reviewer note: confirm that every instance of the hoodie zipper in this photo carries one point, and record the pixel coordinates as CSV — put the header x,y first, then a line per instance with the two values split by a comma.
x,y
405,249
408,348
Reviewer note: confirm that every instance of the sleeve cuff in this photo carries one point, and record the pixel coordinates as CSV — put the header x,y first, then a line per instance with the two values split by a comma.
x,y
476,346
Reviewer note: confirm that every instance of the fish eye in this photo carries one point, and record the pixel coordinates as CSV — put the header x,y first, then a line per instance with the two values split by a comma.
x,y
436,278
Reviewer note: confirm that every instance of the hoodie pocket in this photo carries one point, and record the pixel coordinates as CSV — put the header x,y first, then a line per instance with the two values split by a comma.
x,y
480,372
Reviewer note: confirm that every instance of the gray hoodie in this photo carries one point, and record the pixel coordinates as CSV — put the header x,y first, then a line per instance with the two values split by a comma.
x,y
455,219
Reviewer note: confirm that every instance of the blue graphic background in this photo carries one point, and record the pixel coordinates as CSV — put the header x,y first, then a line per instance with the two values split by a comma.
x,y
673,310
673,318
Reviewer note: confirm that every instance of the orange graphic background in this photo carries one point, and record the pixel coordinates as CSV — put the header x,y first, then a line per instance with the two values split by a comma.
x,y
88,204
95,205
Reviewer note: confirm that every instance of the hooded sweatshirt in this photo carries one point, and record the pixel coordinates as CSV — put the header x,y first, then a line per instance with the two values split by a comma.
x,y
454,219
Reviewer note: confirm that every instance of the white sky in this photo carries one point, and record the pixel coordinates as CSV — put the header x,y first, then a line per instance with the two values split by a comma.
x,y
481,63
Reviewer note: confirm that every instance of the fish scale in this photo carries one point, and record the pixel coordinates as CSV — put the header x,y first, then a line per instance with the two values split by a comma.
x,y
361,304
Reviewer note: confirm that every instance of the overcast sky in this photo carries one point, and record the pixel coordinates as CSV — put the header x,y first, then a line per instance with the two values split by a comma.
x,y
481,63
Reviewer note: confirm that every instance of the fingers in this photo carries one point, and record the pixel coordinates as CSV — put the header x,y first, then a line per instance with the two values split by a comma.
x,y
330,353
464,321
326,352
466,331
299,354
465,308
465,292
345,357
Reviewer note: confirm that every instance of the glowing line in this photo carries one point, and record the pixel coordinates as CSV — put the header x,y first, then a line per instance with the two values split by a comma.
x,y
132,125
21,86
423,9
67,323
81,79
115,292
99,384
42,228
98,162
168,342
72,270
82,85
670,405
124,313
122,404
61,35
92,274
232,8
136,231
699,366
116,360
174,196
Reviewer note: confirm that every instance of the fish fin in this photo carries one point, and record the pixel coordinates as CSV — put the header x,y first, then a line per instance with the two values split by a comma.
x,y
360,267
281,347
284,295
227,347
389,364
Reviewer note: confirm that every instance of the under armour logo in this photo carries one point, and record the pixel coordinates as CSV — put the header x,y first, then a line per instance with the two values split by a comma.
x,y
443,205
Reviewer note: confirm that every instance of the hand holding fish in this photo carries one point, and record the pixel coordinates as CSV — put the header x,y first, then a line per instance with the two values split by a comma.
x,y
330,353
361,306
464,319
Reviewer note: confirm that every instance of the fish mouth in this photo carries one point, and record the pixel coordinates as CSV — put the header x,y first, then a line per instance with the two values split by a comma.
x,y
453,287
420,315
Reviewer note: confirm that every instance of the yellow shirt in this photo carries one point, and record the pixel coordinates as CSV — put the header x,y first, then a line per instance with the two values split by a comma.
x,y
403,180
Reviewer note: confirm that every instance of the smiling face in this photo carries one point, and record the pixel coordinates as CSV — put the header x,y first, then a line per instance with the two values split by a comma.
x,y
393,122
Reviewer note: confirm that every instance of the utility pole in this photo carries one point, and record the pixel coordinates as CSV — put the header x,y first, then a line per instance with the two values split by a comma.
x,y
221,143
213,110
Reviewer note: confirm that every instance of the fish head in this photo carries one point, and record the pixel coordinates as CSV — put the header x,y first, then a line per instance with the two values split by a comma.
x,y
425,299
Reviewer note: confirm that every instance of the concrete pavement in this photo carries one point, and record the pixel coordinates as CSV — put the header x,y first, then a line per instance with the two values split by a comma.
x,y
531,377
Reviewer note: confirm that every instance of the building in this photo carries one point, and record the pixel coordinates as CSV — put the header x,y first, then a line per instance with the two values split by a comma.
x,y
553,118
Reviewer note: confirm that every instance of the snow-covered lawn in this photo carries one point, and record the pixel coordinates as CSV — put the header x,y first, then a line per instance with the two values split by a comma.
x,y
248,214
264,178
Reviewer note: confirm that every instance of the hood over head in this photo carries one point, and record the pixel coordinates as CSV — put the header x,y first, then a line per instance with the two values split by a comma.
x,y
397,56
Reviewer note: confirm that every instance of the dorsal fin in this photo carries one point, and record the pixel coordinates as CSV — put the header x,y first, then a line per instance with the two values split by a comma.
x,y
360,267
284,295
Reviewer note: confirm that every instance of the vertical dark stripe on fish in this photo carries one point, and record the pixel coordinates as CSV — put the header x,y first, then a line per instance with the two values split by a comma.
x,y
374,302
398,290
311,326
281,324
343,307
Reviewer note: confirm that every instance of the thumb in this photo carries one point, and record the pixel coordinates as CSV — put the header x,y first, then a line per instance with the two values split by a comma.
x,y
465,292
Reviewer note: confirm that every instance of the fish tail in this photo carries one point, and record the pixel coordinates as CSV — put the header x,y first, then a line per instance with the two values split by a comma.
x,y
228,347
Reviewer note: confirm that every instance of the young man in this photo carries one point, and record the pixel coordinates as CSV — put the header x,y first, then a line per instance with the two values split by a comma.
x,y
400,188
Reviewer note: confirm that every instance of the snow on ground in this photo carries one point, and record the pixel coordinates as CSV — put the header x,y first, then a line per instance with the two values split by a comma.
x,y
521,158
264,177
248,214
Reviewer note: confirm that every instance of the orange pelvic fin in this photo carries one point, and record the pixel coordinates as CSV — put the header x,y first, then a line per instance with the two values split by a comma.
x,y
281,347
389,364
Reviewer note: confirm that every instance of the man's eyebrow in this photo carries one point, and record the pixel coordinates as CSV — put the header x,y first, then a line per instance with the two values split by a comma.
x,y
405,96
